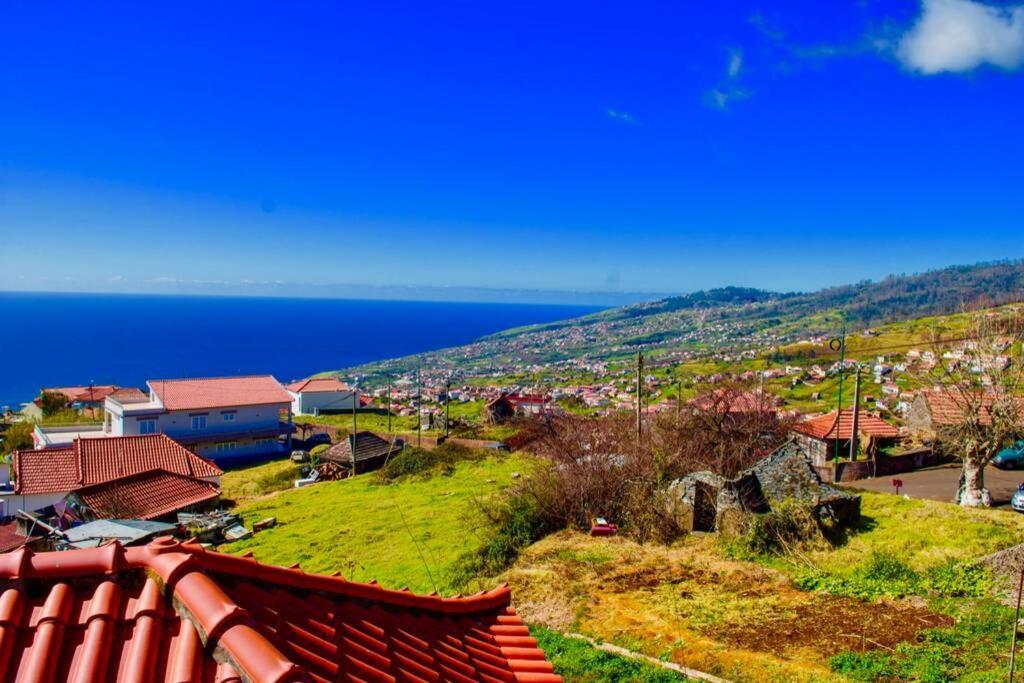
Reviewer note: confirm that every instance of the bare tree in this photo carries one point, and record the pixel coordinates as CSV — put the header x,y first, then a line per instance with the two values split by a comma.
x,y
599,469
974,407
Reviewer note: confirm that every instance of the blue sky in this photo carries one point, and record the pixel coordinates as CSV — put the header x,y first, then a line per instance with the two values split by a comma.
x,y
300,148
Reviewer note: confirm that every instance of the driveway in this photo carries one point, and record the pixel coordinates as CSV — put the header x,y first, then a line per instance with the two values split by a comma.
x,y
940,483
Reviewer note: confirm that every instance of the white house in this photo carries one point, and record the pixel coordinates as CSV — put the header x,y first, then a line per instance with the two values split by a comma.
x,y
322,395
219,417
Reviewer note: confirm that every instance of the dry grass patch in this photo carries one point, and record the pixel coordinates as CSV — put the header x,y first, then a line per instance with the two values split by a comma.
x,y
690,603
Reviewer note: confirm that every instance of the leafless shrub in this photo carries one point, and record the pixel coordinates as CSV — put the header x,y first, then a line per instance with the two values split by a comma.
x,y
601,467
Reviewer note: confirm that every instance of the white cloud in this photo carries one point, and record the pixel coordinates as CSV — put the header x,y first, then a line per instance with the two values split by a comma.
x,y
618,115
718,98
960,35
735,62
727,93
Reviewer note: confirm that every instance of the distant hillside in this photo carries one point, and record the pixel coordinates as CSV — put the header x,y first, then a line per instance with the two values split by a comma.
x,y
895,298
729,317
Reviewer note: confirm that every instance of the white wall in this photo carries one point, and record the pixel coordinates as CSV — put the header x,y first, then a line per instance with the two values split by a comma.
x,y
308,402
12,502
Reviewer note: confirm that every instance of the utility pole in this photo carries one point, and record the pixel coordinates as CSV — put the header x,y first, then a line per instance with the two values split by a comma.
x,y
355,421
679,402
856,416
447,404
639,395
419,412
389,404
842,368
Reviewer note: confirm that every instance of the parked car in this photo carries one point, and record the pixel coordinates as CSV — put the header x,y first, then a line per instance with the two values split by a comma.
x,y
1017,499
1011,458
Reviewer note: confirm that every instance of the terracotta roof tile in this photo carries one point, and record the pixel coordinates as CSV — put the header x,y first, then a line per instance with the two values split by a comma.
x,y
318,384
824,427
176,612
91,394
95,461
147,495
219,392
130,395
949,407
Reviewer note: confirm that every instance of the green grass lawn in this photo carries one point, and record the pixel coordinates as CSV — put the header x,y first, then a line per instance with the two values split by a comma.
x,y
408,533
922,533
246,483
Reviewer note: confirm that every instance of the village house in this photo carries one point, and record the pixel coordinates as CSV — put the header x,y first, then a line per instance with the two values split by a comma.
x,y
705,501
322,395
173,611
737,403
221,417
82,397
514,404
822,436
934,409
152,473
371,452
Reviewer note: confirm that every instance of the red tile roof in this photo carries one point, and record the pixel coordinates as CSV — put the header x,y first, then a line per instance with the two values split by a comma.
x,y
219,392
318,384
528,399
146,495
824,427
10,539
176,612
725,401
130,395
949,407
95,461
94,393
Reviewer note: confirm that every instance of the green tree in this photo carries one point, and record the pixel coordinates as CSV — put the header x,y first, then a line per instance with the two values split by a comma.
x,y
52,403
17,437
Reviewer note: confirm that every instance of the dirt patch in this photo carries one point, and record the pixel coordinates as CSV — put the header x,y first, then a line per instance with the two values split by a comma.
x,y
625,578
829,625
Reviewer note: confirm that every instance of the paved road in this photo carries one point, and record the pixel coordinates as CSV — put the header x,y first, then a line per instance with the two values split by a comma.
x,y
940,483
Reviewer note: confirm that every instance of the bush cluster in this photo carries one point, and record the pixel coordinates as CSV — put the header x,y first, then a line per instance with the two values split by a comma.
x,y
787,527
414,461
886,575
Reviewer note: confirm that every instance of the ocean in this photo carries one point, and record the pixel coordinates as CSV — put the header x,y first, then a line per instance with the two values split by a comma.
x,y
78,339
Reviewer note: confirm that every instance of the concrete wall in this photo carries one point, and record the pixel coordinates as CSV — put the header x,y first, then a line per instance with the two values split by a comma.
x,y
309,402
11,502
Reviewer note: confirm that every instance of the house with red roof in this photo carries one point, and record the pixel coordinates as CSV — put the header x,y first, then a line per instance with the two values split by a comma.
x,y
217,417
147,476
170,611
822,435
322,395
79,397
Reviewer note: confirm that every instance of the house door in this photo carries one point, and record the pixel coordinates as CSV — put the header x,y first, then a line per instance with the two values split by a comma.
x,y
704,507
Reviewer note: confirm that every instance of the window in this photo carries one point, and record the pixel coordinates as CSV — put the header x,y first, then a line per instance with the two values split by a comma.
x,y
147,426
225,446
198,423
229,416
